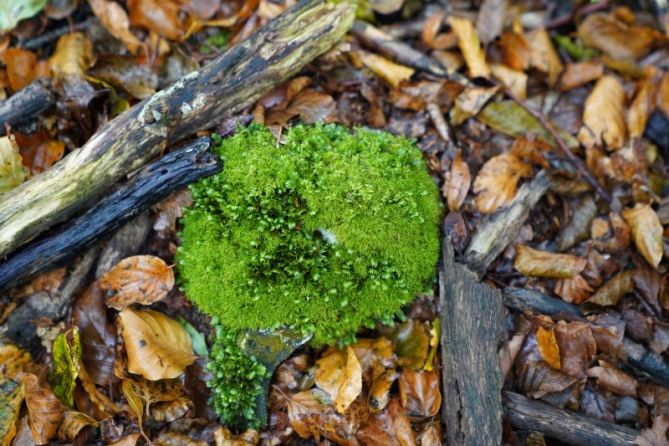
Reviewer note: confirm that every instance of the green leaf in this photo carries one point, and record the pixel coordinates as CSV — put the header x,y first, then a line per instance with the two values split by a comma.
x,y
511,119
11,399
12,172
66,359
197,339
575,48
12,11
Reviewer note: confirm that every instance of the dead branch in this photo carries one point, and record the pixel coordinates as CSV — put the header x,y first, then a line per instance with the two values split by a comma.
x,y
26,103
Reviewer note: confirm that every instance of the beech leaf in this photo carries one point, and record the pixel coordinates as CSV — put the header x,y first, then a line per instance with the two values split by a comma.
x,y
44,408
604,115
158,347
613,380
73,422
11,400
646,232
470,45
614,290
387,70
532,262
497,181
615,37
548,347
457,183
543,56
114,18
420,393
339,373
137,279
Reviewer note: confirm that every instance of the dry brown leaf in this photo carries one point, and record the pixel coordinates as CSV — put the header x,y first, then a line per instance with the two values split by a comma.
x,y
223,437
101,401
615,37
72,57
514,81
655,436
161,17
641,107
577,347
646,231
614,289
604,115
577,74
171,438
490,20
608,328
128,440
470,102
158,347
543,56
137,279
73,422
115,20
401,424
469,44
340,375
21,66
169,411
548,347
379,393
420,393
538,379
310,105
613,380
575,289
387,70
431,28
496,183
515,50
532,262
431,435
457,182
44,408
38,150
12,361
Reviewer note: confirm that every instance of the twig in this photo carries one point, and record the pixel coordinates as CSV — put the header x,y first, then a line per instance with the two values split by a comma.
x,y
575,14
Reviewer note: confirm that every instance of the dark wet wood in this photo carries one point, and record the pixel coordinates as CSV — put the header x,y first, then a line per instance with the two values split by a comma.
x,y
26,103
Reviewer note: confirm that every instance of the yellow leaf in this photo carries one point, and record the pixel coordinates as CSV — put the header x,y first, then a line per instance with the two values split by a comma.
x,y
137,279
73,55
615,37
497,181
73,422
339,374
12,361
641,107
469,44
603,115
457,183
158,347
548,347
351,385
115,20
44,409
646,232
515,81
543,56
388,71
532,262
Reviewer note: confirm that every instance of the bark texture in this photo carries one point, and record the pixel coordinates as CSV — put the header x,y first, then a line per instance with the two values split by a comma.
x,y
199,100
26,103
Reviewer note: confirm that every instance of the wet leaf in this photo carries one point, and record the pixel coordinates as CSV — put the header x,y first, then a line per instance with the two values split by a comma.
x,y
72,57
497,181
12,172
389,71
646,232
543,56
490,20
73,422
379,393
13,11
11,400
615,37
604,115
457,182
157,346
420,393
470,102
470,45
21,67
548,347
161,17
66,355
411,344
655,436
538,379
577,74
125,72
12,361
613,380
577,347
575,289
137,279
511,119
114,18
514,81
45,409
339,373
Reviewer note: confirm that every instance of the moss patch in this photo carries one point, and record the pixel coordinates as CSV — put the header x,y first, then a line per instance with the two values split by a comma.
x,y
326,233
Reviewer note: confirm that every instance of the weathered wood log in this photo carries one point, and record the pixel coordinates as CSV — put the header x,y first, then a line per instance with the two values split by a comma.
x,y
126,241
501,228
155,182
563,425
26,103
198,100
471,328
633,353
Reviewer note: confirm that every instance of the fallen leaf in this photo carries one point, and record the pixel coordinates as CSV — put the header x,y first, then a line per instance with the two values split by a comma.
x,y
12,361
115,20
578,228
457,182
613,380
389,71
21,67
642,106
470,102
66,354
134,401
101,401
11,400
604,115
169,411
158,347
497,181
543,56
577,74
655,436
379,393
646,231
614,289
310,105
469,44
548,347
420,393
608,328
410,342
515,50
128,440
161,17
577,347
126,73
431,435
38,150
12,172
45,409
431,28
649,282
13,11
616,38
223,437
137,279
514,81
340,375
72,57
490,20
73,422
177,439
574,289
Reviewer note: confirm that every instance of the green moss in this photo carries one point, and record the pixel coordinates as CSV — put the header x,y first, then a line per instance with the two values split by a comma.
x,y
326,233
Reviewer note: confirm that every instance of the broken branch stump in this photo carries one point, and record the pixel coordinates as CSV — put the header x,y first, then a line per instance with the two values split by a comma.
x,y
198,100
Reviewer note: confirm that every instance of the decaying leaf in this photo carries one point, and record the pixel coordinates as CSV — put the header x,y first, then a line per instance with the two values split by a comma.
x,y
496,183
457,183
577,74
538,379
577,347
515,50
618,39
224,437
12,172
575,289
604,115
410,342
11,400
66,355
543,56
470,45
548,347
655,436
21,67
641,108
73,422
613,380
13,11
12,361
490,20
614,289
137,279
387,70
45,409
646,231
390,427
515,81
420,393
379,393
73,55
114,18
161,17
158,347
171,410
339,373
470,102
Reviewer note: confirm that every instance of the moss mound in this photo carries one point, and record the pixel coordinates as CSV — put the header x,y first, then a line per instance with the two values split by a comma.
x,y
327,232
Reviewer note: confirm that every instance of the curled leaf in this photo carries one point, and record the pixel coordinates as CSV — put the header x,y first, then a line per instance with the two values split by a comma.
x,y
44,408
577,74
646,231
496,183
114,18
613,380
339,373
470,102
457,183
515,81
618,39
72,57
73,422
420,393
137,279
604,115
158,347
